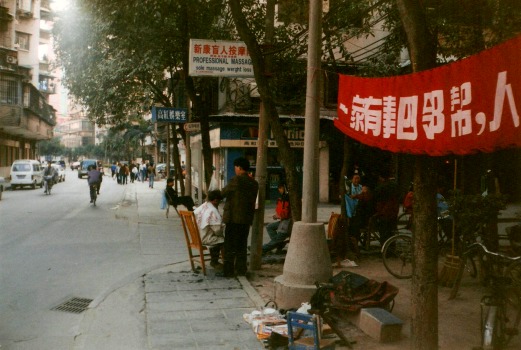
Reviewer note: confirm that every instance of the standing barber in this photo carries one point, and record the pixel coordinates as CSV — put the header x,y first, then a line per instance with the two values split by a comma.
x,y
239,209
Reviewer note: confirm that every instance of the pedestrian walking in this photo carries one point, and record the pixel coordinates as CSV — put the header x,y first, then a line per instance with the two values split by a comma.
x,y
239,208
113,168
151,172
144,172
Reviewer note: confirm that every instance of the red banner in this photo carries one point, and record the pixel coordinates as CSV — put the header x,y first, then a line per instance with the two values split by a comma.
x,y
464,107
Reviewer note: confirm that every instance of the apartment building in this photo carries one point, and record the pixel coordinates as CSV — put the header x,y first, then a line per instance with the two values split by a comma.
x,y
25,79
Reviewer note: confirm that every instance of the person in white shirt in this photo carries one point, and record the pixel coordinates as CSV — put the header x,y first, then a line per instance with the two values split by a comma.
x,y
209,221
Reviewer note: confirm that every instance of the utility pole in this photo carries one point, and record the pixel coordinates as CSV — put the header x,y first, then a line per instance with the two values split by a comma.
x,y
262,151
167,167
307,260
188,153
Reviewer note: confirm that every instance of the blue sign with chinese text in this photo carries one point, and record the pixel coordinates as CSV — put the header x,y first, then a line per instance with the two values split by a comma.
x,y
168,114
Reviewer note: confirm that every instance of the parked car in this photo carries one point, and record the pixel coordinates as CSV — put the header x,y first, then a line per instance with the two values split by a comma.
x,y
59,173
75,165
84,167
26,172
161,169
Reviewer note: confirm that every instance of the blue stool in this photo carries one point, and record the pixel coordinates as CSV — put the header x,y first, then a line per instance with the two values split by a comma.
x,y
305,322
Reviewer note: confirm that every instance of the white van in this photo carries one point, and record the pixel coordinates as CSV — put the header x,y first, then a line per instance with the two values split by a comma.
x,y
26,172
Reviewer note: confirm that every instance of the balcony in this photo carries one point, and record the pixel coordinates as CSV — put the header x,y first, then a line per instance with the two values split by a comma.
x,y
24,114
46,82
45,66
45,36
24,14
45,10
5,17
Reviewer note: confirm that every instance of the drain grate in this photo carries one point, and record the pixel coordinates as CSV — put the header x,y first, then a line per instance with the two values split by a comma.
x,y
74,305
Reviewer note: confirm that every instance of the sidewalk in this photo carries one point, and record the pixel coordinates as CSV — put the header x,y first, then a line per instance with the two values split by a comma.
x,y
168,306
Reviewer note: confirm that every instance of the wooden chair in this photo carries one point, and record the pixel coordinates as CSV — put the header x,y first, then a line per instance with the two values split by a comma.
x,y
331,225
193,238
306,322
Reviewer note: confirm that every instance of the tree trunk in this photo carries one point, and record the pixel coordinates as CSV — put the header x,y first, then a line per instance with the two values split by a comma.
x,y
204,106
424,290
424,294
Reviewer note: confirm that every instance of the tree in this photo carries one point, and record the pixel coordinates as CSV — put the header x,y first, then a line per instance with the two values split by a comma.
x,y
425,39
138,132
51,147
122,57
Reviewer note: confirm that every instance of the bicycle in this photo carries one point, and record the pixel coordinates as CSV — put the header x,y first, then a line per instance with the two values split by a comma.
x,y
501,307
397,255
405,224
397,252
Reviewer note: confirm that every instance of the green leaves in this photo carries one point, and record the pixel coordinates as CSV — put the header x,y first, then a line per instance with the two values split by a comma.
x,y
115,53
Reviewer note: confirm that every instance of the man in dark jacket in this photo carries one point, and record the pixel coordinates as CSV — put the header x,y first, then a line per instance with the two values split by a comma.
x,y
239,209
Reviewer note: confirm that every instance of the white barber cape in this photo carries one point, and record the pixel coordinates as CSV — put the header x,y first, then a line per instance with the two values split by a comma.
x,y
209,221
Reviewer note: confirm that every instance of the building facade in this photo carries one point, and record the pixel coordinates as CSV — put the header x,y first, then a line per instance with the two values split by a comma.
x,y
25,80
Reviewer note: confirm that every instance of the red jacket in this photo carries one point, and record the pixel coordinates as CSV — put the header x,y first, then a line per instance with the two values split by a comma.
x,y
283,209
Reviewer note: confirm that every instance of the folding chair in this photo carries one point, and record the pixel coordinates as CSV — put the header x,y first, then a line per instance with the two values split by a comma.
x,y
193,238
306,322
331,225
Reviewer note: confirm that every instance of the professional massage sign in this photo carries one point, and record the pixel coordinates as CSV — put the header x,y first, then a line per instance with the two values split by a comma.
x,y
219,58
468,106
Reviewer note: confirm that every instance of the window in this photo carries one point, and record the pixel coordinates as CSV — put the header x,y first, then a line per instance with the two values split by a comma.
x,y
27,96
8,91
23,39
24,5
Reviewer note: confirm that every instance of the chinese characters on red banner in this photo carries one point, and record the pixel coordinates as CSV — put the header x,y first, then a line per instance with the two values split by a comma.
x,y
464,107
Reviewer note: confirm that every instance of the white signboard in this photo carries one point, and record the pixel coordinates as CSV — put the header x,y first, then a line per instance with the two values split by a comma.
x,y
217,58
192,127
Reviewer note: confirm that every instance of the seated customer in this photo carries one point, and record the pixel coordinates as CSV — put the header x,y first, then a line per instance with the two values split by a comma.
x,y
175,200
209,221
279,230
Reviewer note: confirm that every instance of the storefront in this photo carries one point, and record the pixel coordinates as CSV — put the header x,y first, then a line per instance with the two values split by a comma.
x,y
232,140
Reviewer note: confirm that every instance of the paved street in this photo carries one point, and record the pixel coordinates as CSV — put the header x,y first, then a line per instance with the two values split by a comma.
x,y
56,247
123,255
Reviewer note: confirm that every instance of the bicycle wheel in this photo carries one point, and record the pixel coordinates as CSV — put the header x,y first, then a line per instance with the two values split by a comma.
x,y
488,325
502,320
397,256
